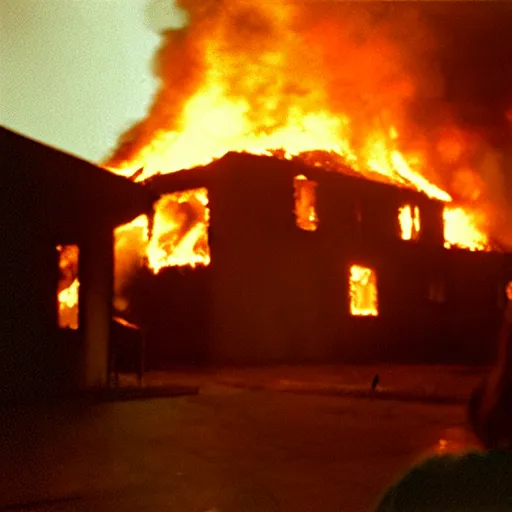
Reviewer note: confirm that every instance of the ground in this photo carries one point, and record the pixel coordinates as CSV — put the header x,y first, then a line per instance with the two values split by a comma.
x,y
224,450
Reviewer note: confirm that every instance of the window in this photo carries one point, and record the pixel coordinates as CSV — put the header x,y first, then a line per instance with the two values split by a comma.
x,y
437,292
67,292
363,291
180,230
409,219
306,217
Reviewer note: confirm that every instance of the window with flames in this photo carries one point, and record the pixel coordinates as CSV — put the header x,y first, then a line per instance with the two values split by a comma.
x,y
306,217
409,219
67,292
180,230
363,292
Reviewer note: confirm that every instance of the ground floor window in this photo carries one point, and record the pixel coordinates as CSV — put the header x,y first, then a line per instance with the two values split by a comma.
x,y
363,292
67,291
180,230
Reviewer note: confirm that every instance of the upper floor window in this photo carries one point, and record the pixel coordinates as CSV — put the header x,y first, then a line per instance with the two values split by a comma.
x,y
305,203
409,219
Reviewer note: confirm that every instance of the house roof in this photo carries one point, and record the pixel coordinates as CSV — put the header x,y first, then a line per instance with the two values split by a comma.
x,y
240,164
61,194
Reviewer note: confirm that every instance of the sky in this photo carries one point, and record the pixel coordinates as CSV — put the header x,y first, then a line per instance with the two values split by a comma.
x,y
76,73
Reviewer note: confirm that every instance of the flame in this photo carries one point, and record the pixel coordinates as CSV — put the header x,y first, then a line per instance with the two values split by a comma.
x,y
305,203
68,286
460,230
180,230
509,291
409,219
68,298
283,79
363,291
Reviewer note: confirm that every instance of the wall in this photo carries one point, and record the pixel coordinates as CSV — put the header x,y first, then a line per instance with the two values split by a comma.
x,y
276,293
281,294
96,263
29,357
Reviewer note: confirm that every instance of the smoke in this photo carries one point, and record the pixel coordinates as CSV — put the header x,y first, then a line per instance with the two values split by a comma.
x,y
437,74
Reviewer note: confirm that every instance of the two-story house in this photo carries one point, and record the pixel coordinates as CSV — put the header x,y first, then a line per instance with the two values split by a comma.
x,y
304,264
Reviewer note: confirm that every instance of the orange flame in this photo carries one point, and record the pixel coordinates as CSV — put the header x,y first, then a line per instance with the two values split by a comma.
x,y
509,291
409,219
68,286
460,230
271,76
305,203
180,230
363,291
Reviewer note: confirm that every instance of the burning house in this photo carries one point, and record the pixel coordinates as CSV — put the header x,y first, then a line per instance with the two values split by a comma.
x,y
325,191
321,197
58,220
259,259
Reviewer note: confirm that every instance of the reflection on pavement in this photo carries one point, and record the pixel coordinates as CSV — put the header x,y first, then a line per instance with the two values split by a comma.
x,y
455,440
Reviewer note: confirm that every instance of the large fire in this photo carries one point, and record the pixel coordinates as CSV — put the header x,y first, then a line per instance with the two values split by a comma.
x,y
279,76
259,77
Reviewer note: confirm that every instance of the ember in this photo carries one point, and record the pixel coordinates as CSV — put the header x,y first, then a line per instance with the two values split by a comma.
x,y
363,291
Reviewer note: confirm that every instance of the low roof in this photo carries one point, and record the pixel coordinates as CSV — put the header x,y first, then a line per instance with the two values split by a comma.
x,y
62,194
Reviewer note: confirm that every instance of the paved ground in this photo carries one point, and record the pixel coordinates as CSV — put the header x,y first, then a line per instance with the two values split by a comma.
x,y
436,383
224,450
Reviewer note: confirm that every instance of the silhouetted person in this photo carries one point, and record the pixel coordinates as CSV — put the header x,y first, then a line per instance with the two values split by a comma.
x,y
475,481
375,382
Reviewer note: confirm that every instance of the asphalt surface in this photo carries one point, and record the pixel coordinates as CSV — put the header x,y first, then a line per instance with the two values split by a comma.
x,y
223,450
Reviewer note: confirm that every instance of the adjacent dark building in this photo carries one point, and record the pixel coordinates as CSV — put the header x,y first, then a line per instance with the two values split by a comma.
x,y
278,287
53,199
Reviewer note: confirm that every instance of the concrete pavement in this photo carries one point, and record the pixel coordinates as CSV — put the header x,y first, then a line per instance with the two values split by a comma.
x,y
223,450
438,384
